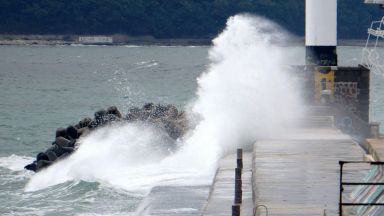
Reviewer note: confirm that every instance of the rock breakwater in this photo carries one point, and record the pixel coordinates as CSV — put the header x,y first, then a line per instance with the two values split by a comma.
x,y
165,117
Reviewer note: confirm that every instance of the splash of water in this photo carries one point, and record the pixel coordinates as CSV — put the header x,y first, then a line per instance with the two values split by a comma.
x,y
14,162
246,94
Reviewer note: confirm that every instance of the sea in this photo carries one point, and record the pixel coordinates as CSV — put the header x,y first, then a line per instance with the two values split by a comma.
x,y
47,87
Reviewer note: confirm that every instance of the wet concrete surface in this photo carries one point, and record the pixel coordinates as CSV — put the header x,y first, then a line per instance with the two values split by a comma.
x,y
376,148
299,174
222,192
174,200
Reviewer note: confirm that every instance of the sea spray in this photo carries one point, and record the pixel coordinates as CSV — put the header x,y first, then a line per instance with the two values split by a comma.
x,y
246,94
112,155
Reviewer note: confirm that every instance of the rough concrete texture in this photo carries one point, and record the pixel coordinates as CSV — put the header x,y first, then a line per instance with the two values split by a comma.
x,y
222,192
299,174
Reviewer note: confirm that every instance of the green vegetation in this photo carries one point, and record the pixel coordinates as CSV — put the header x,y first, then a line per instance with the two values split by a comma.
x,y
166,18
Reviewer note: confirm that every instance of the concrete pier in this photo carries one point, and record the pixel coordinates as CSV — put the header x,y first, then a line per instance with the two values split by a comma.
x,y
293,175
222,192
299,174
376,148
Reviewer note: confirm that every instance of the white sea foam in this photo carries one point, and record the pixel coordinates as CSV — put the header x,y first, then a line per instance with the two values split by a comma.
x,y
123,156
245,94
15,162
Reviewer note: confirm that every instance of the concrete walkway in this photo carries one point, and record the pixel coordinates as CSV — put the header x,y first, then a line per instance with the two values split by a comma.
x,y
299,174
221,196
376,148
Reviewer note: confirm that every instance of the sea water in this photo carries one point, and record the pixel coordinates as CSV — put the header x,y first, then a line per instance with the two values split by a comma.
x,y
46,87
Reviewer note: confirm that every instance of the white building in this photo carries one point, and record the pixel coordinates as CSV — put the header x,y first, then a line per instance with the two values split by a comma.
x,y
95,40
374,1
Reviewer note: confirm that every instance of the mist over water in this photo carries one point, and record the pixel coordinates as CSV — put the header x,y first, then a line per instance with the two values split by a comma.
x,y
121,155
244,95
247,92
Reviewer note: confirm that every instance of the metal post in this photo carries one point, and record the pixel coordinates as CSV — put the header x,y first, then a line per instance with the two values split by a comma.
x,y
341,189
239,158
238,191
236,210
238,173
240,153
238,183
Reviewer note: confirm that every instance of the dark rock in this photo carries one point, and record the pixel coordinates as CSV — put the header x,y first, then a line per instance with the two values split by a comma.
x,y
31,166
59,150
83,131
42,156
84,123
99,117
42,164
72,132
93,124
114,111
172,128
172,111
61,132
158,112
148,106
51,155
133,114
63,142
166,118
110,118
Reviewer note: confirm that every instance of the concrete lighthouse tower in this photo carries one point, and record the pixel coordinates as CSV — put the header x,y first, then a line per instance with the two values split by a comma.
x,y
344,88
321,32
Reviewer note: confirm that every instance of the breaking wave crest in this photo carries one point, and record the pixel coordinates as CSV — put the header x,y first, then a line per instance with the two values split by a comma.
x,y
244,95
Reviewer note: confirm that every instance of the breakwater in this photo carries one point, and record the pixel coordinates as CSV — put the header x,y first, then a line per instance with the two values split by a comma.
x,y
165,117
293,174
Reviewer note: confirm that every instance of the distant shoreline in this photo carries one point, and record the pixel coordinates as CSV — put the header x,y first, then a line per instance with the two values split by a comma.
x,y
120,40
349,42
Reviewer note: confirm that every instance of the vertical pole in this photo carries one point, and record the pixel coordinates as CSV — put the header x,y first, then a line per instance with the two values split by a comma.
x,y
238,191
239,158
341,188
238,181
238,185
238,173
236,210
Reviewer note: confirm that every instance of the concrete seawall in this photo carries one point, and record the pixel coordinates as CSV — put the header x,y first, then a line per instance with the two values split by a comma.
x,y
376,148
299,174
221,196
294,175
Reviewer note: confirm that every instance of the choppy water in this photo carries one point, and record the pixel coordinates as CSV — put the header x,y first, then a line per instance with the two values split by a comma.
x,y
45,87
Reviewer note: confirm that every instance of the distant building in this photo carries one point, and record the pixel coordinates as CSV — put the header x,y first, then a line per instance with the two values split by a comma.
x,y
374,1
95,40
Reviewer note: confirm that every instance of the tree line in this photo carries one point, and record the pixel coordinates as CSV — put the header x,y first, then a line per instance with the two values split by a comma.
x,y
167,18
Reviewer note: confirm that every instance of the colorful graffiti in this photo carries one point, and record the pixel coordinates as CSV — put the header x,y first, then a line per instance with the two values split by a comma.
x,y
324,85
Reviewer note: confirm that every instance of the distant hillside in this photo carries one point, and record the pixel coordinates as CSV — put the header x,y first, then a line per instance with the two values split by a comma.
x,y
166,18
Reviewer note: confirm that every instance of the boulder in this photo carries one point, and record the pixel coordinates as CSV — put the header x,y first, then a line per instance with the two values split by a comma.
x,y
167,118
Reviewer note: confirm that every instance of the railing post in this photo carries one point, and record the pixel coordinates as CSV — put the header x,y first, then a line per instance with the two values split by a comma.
x,y
342,184
236,210
239,158
238,191
238,183
238,173
341,189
